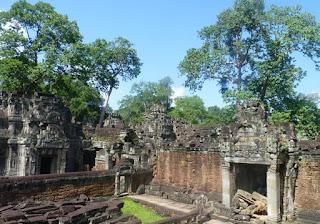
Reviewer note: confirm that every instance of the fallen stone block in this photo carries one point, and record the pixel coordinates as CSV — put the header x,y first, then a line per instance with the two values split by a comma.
x,y
41,208
260,209
65,209
246,196
38,219
5,208
10,214
259,197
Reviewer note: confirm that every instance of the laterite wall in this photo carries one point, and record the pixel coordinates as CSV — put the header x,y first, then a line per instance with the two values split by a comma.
x,y
56,186
193,170
307,192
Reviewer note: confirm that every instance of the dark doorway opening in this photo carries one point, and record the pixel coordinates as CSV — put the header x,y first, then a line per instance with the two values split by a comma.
x,y
251,177
89,158
46,165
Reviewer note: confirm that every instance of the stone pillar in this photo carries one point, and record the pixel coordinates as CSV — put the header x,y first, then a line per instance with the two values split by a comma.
x,y
289,189
273,194
21,166
108,160
129,183
117,184
226,185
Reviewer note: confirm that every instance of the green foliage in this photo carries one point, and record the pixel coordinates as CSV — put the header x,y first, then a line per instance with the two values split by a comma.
x,y
37,53
303,112
228,49
218,116
108,62
37,36
41,50
111,60
82,97
189,108
250,51
142,213
143,96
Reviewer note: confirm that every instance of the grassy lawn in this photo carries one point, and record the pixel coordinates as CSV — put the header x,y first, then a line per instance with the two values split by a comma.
x,y
142,213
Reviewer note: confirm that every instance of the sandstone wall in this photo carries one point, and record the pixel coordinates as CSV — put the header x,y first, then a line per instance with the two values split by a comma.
x,y
57,186
307,192
195,171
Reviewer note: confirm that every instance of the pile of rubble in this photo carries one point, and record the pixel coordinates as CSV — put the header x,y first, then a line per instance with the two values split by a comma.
x,y
250,207
80,210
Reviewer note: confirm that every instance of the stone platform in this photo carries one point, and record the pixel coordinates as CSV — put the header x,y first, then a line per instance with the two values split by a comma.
x,y
163,206
171,208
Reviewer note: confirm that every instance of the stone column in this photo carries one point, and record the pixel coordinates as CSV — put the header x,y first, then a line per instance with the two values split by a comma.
x,y
226,185
117,184
273,194
21,160
108,160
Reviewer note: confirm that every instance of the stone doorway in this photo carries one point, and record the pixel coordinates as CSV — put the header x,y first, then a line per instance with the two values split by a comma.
x,y
47,164
251,177
89,159
273,187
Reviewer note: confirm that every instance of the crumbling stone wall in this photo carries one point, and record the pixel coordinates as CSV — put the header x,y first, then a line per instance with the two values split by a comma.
x,y
37,135
307,191
53,187
57,186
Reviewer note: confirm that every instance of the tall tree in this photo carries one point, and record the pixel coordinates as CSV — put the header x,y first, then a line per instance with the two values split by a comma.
x,y
39,51
228,49
189,108
286,30
251,50
35,37
142,96
110,61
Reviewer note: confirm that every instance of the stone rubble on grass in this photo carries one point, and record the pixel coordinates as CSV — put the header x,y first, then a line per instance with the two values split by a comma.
x,y
80,210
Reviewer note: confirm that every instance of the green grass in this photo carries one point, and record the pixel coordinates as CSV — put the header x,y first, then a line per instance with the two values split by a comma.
x,y
142,213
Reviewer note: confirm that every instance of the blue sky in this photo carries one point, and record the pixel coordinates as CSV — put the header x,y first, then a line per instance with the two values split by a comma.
x,y
162,31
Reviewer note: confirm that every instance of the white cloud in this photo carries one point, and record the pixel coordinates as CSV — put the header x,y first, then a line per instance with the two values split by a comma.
x,y
177,92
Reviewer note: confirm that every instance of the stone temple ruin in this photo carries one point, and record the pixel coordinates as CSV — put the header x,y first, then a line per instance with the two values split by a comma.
x,y
249,170
37,136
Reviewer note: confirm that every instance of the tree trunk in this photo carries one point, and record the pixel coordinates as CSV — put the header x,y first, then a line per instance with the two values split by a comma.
x,y
239,79
104,108
264,89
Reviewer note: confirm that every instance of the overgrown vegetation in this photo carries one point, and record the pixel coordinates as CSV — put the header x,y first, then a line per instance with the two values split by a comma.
x,y
250,51
43,51
142,213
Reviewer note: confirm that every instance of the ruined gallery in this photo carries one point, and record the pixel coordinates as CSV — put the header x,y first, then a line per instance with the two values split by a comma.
x,y
47,155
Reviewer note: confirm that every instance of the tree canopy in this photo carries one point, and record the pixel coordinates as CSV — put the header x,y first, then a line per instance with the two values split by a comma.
x,y
189,108
302,110
142,96
41,50
34,38
250,51
110,61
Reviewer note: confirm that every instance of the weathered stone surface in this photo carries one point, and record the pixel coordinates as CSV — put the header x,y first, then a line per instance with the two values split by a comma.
x,y
37,130
186,159
246,204
11,214
95,212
